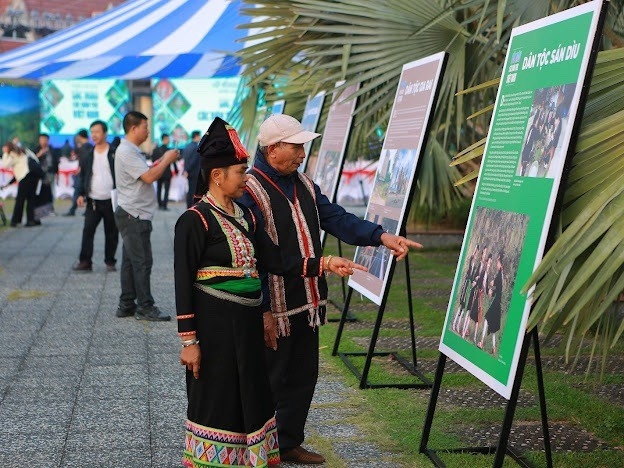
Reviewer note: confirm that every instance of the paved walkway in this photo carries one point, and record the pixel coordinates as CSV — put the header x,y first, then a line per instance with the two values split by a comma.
x,y
80,387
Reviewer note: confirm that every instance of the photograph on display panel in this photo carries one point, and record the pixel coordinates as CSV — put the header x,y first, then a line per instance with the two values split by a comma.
x,y
488,277
541,153
393,185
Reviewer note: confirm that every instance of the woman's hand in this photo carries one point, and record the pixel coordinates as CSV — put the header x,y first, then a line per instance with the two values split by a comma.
x,y
342,266
190,356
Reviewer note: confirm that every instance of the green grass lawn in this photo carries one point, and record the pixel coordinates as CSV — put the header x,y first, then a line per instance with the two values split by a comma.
x,y
394,418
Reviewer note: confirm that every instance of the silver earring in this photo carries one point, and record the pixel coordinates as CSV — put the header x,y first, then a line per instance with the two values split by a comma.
x,y
218,184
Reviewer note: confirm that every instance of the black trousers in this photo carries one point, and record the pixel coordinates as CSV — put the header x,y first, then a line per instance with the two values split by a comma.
x,y
293,372
77,182
95,211
26,189
163,198
136,261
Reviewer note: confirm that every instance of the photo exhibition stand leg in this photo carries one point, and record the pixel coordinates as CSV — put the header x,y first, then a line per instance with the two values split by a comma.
x,y
350,316
411,367
502,448
342,322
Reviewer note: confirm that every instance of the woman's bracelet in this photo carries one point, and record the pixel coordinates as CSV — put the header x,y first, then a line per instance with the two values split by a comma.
x,y
327,260
186,343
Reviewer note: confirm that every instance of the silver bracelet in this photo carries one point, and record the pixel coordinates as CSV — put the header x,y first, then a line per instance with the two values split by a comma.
x,y
192,342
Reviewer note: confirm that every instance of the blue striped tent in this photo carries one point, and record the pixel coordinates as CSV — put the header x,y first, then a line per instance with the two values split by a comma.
x,y
138,39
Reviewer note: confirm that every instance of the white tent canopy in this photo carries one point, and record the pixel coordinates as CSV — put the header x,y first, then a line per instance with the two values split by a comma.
x,y
138,39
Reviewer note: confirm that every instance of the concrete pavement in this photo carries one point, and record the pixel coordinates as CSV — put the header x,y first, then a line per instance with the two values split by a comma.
x,y
80,387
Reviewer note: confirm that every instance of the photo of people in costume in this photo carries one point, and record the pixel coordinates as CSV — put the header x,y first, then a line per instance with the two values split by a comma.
x,y
488,275
541,155
396,169
376,259
327,171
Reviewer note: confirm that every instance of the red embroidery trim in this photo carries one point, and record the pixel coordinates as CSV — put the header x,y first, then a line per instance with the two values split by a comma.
x,y
201,216
306,245
305,267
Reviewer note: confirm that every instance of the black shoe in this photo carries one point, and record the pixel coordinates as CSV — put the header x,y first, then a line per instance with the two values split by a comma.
x,y
37,222
32,223
122,313
70,213
14,224
153,314
82,266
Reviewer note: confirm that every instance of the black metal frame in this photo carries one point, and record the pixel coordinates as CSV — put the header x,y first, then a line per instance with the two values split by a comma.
x,y
502,448
412,367
350,316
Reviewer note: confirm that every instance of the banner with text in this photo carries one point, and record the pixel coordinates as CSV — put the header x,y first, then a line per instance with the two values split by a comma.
x,y
182,105
394,181
68,106
527,147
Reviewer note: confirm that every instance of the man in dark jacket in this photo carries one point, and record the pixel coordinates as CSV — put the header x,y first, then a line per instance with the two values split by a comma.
x,y
98,180
191,166
293,210
83,147
165,180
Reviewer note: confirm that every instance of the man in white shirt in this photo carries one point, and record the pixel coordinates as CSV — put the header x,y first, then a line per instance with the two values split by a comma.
x,y
94,192
135,210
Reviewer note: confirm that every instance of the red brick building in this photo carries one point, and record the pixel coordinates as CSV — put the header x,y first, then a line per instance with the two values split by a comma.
x,y
23,21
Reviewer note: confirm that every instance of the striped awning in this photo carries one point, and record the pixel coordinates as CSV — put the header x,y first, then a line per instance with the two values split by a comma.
x,y
138,39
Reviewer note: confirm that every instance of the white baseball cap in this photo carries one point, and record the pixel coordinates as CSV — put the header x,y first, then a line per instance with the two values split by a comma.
x,y
282,127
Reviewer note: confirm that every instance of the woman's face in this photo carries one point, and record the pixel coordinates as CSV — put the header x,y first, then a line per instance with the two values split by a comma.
x,y
234,180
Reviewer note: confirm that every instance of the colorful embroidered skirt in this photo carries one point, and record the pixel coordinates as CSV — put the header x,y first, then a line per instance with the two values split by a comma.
x,y
230,415
211,447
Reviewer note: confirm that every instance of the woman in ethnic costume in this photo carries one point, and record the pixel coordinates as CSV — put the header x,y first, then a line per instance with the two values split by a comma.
x,y
464,291
494,313
473,299
230,415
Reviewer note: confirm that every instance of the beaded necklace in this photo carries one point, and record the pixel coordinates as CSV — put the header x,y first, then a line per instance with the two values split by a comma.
x,y
241,247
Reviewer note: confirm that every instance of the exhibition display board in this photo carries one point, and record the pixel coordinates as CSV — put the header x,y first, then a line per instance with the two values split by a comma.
x,y
334,143
535,116
309,121
278,107
396,172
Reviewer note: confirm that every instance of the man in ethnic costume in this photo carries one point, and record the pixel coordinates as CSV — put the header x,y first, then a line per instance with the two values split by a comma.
x,y
294,211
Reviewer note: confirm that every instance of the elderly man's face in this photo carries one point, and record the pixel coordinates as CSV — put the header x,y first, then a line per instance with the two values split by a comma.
x,y
286,157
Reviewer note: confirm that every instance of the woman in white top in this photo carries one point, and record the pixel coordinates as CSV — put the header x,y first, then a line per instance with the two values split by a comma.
x,y
26,174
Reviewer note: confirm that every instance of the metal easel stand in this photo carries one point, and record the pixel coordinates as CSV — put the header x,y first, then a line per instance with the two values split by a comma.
x,y
502,448
411,367
350,316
